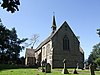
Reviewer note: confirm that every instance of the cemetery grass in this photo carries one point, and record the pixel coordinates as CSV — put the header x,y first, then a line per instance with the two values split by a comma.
x,y
30,71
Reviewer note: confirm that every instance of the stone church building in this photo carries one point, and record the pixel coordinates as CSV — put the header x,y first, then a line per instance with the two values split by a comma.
x,y
61,44
30,57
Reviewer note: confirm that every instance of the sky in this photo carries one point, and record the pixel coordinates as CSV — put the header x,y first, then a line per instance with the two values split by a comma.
x,y
35,17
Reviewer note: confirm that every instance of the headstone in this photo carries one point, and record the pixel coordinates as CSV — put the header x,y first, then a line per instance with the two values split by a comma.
x,y
91,67
77,66
65,71
75,71
84,66
48,68
43,70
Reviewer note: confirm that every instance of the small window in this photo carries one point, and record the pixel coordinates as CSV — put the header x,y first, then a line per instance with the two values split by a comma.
x,y
48,49
65,43
43,51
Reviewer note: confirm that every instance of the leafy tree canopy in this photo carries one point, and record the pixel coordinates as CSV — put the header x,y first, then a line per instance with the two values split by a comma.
x,y
10,44
10,5
97,61
95,53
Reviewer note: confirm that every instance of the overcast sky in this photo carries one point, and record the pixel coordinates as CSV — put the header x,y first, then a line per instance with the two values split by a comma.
x,y
35,17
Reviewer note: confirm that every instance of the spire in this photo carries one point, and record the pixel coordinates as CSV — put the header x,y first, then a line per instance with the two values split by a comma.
x,y
53,24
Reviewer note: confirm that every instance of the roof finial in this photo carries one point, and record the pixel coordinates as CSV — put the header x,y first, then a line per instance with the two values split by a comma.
x,y
53,13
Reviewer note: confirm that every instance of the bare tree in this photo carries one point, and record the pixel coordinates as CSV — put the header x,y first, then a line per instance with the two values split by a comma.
x,y
33,40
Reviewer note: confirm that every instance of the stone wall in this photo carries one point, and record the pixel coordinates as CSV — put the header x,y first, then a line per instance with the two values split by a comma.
x,y
47,52
38,57
53,50
72,55
30,61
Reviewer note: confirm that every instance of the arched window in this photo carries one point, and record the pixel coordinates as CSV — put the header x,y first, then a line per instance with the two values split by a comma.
x,y
65,43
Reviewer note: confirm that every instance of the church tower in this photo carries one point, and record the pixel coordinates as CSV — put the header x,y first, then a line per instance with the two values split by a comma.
x,y
53,24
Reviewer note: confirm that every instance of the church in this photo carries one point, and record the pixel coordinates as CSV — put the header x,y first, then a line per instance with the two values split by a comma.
x,y
61,44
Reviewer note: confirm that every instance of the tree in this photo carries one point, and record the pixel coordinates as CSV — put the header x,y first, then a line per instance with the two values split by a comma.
x,y
98,32
97,61
3,41
21,61
96,51
95,54
33,40
10,44
10,5
14,43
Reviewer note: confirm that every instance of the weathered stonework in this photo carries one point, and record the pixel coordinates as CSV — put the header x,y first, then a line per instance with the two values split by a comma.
x,y
30,57
61,44
55,54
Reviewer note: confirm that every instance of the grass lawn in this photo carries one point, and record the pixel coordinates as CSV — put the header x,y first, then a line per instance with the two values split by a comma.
x,y
30,71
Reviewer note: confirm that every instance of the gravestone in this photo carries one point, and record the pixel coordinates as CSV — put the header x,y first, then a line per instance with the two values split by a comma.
x,y
91,67
48,68
43,64
75,71
84,66
65,71
77,65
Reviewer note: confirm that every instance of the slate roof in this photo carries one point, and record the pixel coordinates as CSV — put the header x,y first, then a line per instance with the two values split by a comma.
x,y
51,36
48,39
45,41
30,52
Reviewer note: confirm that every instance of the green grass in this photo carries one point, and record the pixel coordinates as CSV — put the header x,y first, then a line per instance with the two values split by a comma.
x,y
30,71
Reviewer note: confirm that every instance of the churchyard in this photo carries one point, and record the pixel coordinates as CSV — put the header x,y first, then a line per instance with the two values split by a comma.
x,y
30,71
46,70
15,70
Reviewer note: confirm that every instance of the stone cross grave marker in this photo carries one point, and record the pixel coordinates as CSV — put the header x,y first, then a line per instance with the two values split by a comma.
x,y
65,71
91,67
48,68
